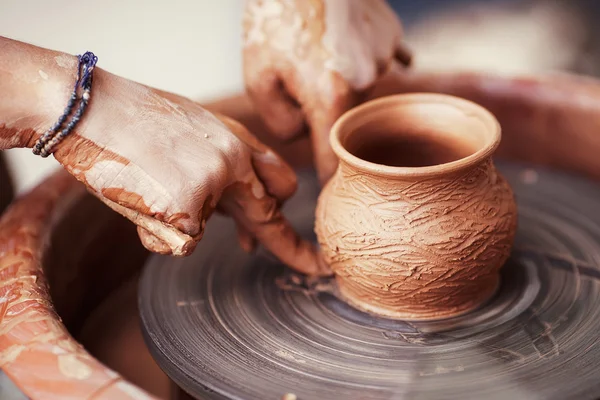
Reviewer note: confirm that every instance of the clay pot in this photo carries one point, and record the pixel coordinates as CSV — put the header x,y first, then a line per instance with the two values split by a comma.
x,y
416,222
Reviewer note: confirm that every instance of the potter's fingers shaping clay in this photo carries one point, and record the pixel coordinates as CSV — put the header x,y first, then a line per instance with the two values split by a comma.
x,y
278,177
321,117
281,113
324,158
260,216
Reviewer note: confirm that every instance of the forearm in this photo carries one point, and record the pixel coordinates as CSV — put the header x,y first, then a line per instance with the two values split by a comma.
x,y
35,85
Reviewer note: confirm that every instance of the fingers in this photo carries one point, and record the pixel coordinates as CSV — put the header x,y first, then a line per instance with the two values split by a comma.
x,y
259,219
278,177
324,158
262,219
321,117
281,113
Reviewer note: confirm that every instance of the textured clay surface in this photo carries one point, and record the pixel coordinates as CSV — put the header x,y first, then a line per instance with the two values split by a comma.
x,y
417,248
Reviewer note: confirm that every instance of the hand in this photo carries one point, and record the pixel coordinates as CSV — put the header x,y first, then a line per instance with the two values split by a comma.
x,y
166,163
307,62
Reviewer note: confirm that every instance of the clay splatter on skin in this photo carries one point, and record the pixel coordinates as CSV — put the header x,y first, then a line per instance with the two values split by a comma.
x,y
326,33
108,175
357,31
160,183
259,14
140,175
134,180
66,61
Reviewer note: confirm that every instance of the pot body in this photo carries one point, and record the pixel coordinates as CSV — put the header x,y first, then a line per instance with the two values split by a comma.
x,y
417,248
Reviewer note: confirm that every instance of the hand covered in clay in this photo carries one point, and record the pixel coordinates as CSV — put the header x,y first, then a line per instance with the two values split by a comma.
x,y
306,62
166,163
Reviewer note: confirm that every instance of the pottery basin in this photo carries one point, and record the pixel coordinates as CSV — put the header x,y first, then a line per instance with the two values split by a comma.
x,y
68,265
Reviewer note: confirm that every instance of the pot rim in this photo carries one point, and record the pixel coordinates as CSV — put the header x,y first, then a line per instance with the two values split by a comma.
x,y
492,125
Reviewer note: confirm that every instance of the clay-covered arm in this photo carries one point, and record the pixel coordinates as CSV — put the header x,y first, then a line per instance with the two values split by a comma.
x,y
159,159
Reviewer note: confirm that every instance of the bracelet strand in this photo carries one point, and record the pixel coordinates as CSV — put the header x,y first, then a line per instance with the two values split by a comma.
x,y
46,143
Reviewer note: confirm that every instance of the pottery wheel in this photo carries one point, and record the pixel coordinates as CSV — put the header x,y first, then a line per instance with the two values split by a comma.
x,y
224,324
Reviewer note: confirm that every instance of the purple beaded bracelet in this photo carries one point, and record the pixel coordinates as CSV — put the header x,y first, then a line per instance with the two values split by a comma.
x,y
46,143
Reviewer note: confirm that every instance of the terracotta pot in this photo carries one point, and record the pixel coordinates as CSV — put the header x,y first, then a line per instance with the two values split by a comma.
x,y
416,223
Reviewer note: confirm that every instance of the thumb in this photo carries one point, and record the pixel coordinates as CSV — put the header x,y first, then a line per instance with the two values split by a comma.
x,y
321,116
282,115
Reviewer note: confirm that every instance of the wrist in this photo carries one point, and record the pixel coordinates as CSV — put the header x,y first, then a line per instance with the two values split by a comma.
x,y
52,94
33,82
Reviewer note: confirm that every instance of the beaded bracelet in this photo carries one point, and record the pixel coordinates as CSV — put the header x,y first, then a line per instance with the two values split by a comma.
x,y
46,143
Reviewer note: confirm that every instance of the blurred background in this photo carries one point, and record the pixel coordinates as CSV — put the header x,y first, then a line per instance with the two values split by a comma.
x,y
192,47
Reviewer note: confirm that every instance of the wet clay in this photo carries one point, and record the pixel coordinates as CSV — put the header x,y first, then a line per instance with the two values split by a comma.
x,y
416,222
